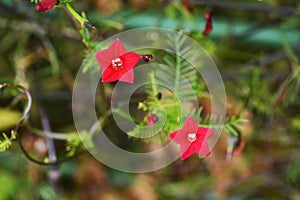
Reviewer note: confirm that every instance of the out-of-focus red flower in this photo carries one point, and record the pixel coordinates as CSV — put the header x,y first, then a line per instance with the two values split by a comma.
x,y
45,5
151,119
112,101
192,139
208,25
187,4
116,63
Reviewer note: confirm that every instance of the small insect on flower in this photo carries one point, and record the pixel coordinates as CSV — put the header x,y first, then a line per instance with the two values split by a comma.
x,y
208,25
116,63
45,5
192,139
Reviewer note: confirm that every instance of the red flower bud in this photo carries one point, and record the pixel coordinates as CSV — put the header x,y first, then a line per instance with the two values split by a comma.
x,y
45,5
208,25
146,57
151,119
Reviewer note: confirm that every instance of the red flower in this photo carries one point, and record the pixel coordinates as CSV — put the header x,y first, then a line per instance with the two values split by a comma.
x,y
192,139
208,25
45,5
116,63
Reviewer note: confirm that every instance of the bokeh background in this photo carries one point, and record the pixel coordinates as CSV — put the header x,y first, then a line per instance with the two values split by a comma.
x,y
256,46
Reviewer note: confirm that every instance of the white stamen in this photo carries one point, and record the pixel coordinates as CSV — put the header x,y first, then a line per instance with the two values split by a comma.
x,y
192,137
117,63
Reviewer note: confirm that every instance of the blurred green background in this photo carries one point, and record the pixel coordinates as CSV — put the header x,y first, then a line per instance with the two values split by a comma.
x,y
256,46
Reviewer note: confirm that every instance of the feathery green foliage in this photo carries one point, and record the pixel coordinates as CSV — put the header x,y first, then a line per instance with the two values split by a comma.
x,y
6,142
230,124
75,143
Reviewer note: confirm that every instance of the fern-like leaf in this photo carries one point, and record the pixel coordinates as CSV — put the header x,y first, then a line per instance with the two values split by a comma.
x,y
184,78
230,124
5,143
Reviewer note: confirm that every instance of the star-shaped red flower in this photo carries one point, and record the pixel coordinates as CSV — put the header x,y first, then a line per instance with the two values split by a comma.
x,y
192,139
116,63
45,5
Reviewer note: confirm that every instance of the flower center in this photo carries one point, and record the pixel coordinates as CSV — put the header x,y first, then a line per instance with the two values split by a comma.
x,y
191,137
117,63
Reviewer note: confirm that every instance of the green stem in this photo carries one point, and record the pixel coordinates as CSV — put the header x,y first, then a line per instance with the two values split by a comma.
x,y
53,135
78,17
171,104
153,85
178,66
104,103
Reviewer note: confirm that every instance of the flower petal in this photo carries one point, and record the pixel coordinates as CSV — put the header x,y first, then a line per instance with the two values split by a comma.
x,y
104,59
173,135
106,56
116,49
129,59
190,125
185,153
204,150
127,77
110,74
202,136
180,137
